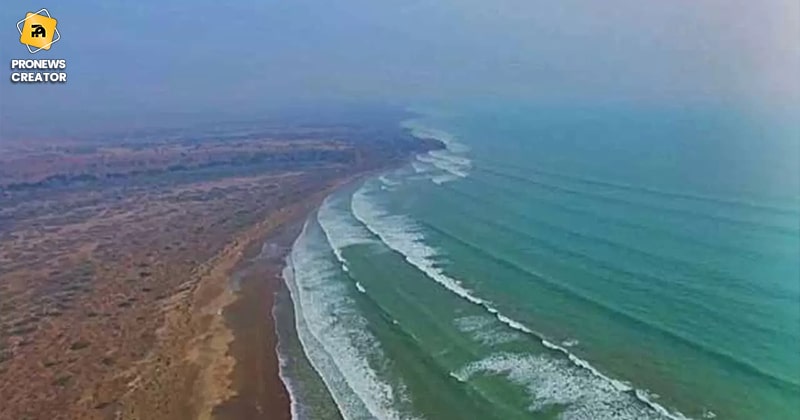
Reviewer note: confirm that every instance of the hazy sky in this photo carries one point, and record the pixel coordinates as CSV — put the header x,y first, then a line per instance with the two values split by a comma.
x,y
135,61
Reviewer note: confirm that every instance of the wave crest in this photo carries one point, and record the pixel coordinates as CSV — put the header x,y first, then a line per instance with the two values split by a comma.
x,y
406,237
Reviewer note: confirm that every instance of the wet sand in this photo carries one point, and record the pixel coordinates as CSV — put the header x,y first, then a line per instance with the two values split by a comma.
x,y
259,391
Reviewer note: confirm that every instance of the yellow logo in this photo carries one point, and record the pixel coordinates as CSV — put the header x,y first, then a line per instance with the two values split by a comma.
x,y
38,31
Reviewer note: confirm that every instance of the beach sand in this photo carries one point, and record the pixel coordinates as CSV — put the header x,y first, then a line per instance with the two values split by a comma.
x,y
259,390
255,385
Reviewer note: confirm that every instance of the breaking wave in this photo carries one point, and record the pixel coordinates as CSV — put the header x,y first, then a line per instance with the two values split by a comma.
x,y
333,333
451,163
406,237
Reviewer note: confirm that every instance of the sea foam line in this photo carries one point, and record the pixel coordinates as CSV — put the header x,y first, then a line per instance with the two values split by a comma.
x,y
283,362
337,232
312,348
388,182
556,381
340,232
452,160
402,235
327,325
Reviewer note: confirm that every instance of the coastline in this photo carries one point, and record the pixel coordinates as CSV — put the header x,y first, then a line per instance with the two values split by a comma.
x,y
642,396
151,294
255,320
257,389
258,292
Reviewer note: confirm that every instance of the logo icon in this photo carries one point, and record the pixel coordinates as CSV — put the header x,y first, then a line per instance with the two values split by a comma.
x,y
38,31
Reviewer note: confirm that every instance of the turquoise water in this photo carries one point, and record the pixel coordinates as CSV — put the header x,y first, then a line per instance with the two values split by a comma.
x,y
581,264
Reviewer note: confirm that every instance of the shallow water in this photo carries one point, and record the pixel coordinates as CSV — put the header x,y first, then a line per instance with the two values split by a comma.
x,y
562,264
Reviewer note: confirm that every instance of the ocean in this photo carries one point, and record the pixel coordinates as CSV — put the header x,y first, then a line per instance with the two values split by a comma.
x,y
556,263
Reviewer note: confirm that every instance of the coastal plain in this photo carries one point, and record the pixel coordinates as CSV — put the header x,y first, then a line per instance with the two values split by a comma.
x,y
137,271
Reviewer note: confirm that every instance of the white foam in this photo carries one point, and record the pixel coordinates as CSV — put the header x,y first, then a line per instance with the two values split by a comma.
x,y
360,288
570,343
440,160
473,323
405,236
335,336
421,167
339,229
388,182
552,381
283,363
443,179
456,377
420,130
485,330
513,324
452,162
619,385
450,157
437,173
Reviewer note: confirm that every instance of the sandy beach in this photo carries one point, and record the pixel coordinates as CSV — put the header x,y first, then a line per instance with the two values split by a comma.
x,y
259,391
148,294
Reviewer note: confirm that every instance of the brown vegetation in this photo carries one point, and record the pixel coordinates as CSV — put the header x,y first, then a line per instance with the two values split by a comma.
x,y
115,266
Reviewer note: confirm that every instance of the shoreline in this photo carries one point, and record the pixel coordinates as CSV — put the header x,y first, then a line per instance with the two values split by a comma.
x,y
253,384
150,293
257,388
641,395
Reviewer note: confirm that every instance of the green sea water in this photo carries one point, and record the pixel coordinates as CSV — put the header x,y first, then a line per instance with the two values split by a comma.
x,y
558,263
